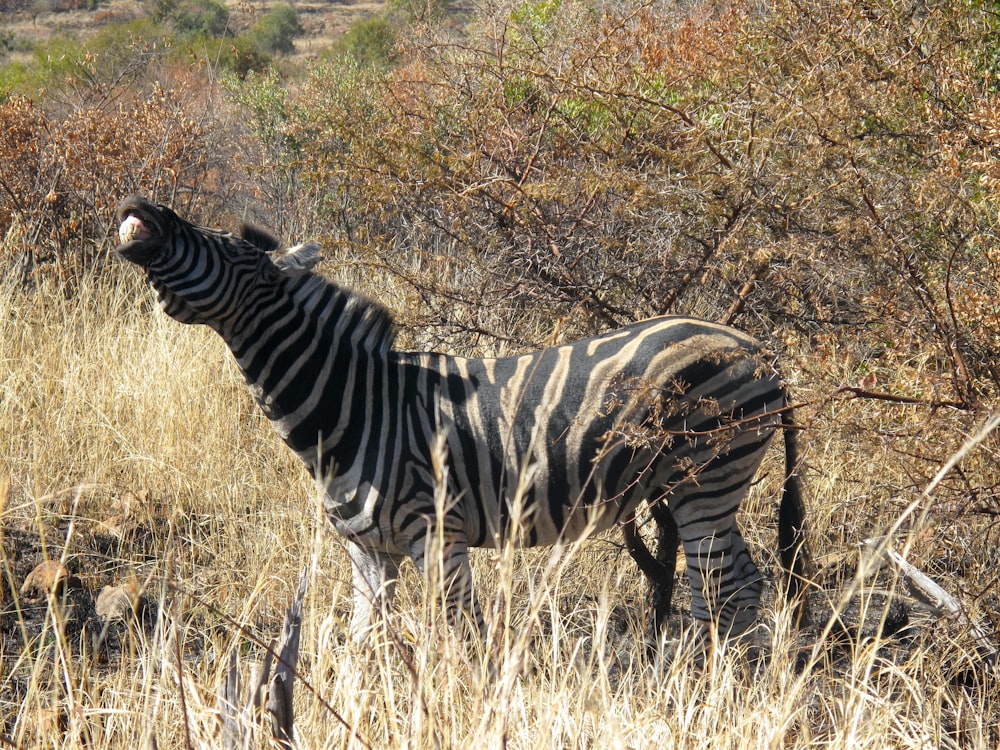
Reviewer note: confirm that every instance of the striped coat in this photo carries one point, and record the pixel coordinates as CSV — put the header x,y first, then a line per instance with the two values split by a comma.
x,y
539,448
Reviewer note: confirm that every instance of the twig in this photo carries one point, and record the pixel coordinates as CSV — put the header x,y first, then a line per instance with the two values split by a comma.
x,y
854,392
937,599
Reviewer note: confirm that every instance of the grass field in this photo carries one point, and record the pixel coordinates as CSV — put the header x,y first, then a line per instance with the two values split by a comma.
x,y
822,172
134,456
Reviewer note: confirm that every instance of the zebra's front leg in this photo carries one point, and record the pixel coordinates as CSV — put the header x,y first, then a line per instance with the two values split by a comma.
x,y
454,576
374,575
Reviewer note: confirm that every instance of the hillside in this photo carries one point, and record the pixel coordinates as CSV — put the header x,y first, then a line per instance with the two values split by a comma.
x,y
323,23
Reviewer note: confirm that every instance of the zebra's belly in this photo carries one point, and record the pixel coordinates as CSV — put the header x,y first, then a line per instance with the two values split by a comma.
x,y
358,515
576,524
543,519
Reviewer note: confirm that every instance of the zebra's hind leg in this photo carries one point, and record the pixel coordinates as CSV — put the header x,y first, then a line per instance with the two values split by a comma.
x,y
725,584
659,569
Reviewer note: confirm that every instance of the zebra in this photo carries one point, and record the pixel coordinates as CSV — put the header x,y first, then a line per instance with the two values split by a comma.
x,y
670,413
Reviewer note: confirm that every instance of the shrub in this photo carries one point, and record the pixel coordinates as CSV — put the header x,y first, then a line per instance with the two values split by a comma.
x,y
749,166
370,42
276,32
194,17
68,172
246,55
7,43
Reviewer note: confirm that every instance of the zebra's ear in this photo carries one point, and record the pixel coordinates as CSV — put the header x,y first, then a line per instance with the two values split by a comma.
x,y
259,237
297,260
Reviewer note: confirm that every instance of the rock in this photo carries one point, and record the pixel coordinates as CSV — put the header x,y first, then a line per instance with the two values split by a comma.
x,y
118,602
50,575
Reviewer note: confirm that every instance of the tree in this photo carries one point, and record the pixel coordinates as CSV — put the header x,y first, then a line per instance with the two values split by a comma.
x,y
275,33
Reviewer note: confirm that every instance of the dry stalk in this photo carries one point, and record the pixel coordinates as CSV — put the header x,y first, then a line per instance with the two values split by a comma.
x,y
236,721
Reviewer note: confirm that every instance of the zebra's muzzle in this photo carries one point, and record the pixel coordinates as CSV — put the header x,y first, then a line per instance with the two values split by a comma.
x,y
139,229
132,229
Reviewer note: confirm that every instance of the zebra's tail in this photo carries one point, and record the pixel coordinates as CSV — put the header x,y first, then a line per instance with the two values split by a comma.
x,y
791,520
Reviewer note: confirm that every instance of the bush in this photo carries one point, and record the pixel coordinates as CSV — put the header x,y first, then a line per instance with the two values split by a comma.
x,y
67,171
740,165
370,42
245,55
276,32
58,199
7,43
195,17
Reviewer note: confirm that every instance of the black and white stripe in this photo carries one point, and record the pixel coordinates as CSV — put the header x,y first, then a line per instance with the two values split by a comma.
x,y
547,446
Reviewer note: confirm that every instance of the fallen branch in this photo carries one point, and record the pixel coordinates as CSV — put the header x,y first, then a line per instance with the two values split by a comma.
x,y
935,598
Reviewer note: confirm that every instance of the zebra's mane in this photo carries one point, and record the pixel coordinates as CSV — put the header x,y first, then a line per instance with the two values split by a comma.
x,y
371,319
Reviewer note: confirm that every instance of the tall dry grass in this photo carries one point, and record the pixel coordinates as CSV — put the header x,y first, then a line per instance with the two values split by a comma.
x,y
134,455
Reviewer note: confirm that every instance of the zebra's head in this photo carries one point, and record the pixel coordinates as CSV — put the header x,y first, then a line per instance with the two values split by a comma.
x,y
204,275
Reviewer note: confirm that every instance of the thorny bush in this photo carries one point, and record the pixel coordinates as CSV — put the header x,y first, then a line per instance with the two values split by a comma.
x,y
806,170
66,174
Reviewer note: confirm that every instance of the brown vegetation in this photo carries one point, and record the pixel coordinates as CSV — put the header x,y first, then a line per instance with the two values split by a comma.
x,y
823,174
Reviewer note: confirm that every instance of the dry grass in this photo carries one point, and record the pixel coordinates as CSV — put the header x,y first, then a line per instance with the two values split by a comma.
x,y
135,455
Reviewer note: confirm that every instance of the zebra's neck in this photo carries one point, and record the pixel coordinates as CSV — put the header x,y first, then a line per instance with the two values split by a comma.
x,y
305,349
